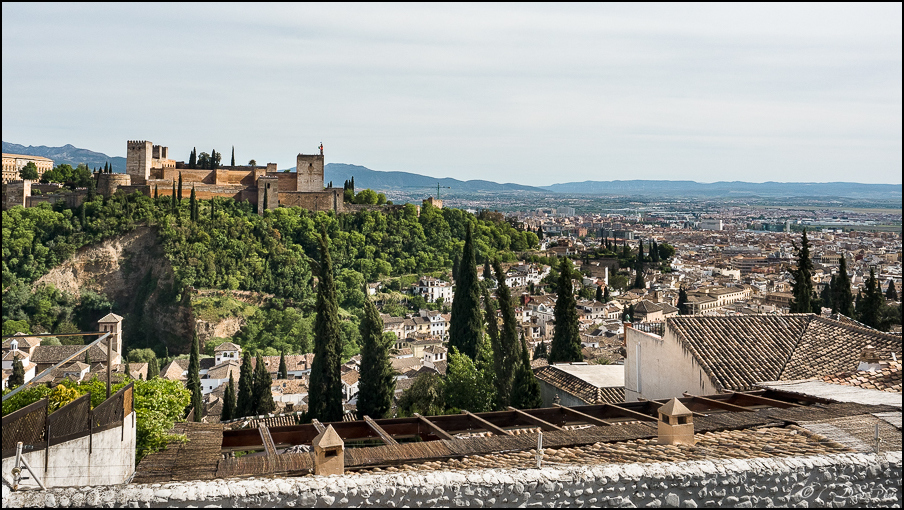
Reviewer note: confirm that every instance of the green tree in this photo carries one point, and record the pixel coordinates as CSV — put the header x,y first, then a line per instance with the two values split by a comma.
x,y
194,365
153,368
266,200
870,307
599,294
682,302
606,296
173,198
566,342
262,394
325,393
424,397
193,205
465,325
842,296
377,384
29,172
526,390
638,269
179,199
804,297
18,376
233,156
654,252
197,404
228,412
465,388
509,354
891,293
244,405
540,351
282,372
193,158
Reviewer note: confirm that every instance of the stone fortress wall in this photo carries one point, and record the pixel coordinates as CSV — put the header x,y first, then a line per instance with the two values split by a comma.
x,y
847,479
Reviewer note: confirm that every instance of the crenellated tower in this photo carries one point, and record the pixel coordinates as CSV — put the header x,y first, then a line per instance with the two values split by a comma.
x,y
138,160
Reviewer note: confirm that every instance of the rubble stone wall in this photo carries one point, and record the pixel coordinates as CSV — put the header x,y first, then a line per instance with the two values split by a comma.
x,y
850,479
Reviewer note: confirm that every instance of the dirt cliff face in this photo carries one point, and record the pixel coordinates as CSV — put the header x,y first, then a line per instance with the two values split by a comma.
x,y
224,328
134,273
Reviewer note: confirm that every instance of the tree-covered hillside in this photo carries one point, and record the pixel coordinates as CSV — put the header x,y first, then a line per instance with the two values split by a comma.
x,y
228,246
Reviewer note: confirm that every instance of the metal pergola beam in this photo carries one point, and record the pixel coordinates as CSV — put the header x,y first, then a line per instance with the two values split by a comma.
x,y
717,403
545,425
585,417
624,411
437,431
766,401
380,432
487,425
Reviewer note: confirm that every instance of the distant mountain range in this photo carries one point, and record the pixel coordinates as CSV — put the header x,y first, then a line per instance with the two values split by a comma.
x,y
68,154
337,173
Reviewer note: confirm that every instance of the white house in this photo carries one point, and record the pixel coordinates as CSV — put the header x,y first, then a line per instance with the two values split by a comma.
x,y
432,289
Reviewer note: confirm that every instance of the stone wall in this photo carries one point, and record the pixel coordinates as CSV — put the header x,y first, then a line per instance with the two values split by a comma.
x,y
102,458
15,193
852,479
327,200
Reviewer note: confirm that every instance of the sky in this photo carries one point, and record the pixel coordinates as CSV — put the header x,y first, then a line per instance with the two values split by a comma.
x,y
534,94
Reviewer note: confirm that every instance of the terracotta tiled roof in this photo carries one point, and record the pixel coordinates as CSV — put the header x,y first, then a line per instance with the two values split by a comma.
x,y
887,379
739,351
57,353
227,346
578,387
350,377
223,370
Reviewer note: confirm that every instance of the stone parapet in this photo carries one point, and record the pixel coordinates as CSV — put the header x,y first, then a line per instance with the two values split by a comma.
x,y
848,479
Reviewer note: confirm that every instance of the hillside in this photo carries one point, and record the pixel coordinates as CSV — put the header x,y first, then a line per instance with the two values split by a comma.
x,y
729,189
374,179
68,154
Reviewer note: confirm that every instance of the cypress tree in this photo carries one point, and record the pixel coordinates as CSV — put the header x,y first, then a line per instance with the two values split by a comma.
x,y
193,158
509,354
891,293
638,270
682,301
654,252
492,326
566,342
325,395
540,350
194,365
599,293
18,376
81,215
825,297
456,264
127,371
197,404
180,189
526,389
87,358
262,394
487,274
244,405
265,201
173,197
606,296
282,372
193,205
465,329
155,192
804,300
153,368
228,412
377,384
233,156
842,296
872,301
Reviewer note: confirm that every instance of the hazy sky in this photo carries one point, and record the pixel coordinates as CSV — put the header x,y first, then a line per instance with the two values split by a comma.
x,y
534,94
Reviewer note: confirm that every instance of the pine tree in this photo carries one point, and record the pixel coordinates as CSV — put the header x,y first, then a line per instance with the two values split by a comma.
x,y
526,390
325,394
540,350
193,205
599,293
566,342
842,297
804,300
892,293
682,301
233,156
465,329
228,412
377,382
509,354
262,394
282,372
153,368
244,404
18,376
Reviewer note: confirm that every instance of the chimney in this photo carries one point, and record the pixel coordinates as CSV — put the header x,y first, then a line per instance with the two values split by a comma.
x,y
329,453
676,424
869,359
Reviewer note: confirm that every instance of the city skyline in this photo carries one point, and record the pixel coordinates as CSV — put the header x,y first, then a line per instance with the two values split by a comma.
x,y
682,92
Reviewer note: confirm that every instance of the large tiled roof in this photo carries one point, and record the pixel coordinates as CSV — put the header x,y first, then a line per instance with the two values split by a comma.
x,y
739,351
57,353
578,387
886,379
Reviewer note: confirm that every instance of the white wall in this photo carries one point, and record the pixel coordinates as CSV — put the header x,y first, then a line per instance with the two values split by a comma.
x,y
111,461
658,367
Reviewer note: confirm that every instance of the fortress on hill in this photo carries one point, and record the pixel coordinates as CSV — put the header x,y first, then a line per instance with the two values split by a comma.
x,y
148,167
150,170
